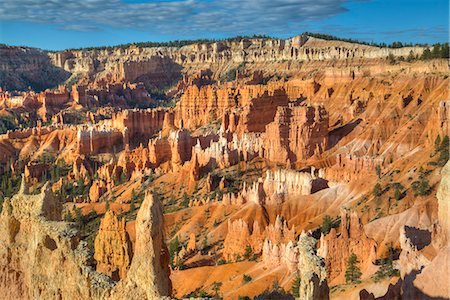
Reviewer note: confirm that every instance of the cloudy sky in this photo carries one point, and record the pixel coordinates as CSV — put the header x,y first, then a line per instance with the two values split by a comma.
x,y
60,24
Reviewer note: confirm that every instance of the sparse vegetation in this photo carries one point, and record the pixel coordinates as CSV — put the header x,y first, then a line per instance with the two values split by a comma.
x,y
174,247
327,224
6,123
386,267
295,289
421,187
377,191
246,278
216,288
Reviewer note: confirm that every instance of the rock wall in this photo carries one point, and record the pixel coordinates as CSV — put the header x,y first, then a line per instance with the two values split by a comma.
x,y
443,196
22,67
93,140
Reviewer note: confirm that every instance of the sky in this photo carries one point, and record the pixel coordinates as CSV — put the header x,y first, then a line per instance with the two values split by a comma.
x,y
63,24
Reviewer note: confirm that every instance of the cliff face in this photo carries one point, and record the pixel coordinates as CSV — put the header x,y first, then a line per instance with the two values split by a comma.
x,y
162,63
21,68
161,66
297,133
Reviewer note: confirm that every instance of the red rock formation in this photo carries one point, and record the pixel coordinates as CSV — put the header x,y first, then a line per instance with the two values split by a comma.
x,y
260,111
140,124
337,247
297,133
113,251
148,275
236,240
92,140
351,167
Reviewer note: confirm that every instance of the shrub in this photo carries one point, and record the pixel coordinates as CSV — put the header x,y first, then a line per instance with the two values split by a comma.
x,y
248,252
221,262
246,278
421,187
378,171
216,288
174,247
377,191
386,267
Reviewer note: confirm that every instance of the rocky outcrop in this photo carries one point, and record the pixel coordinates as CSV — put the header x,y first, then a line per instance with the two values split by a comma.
x,y
311,269
164,64
112,246
42,257
148,276
93,140
266,240
336,247
139,125
236,240
301,259
55,264
282,184
297,133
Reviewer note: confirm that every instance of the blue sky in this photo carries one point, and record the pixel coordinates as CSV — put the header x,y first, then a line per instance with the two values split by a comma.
x,y
61,24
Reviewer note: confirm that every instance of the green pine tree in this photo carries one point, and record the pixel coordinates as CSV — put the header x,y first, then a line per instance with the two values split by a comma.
x,y
327,224
353,273
295,289
377,191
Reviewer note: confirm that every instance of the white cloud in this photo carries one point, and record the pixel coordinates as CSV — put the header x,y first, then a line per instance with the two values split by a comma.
x,y
182,16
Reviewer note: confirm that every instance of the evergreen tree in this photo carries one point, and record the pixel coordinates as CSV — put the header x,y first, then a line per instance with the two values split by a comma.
x,y
426,54
295,289
174,246
436,53
397,193
445,51
327,224
410,56
437,143
378,171
132,205
79,216
353,273
387,266
248,252
377,191
216,288
444,151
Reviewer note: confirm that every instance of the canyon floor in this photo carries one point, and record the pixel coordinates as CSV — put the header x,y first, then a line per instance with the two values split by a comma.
x,y
250,168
